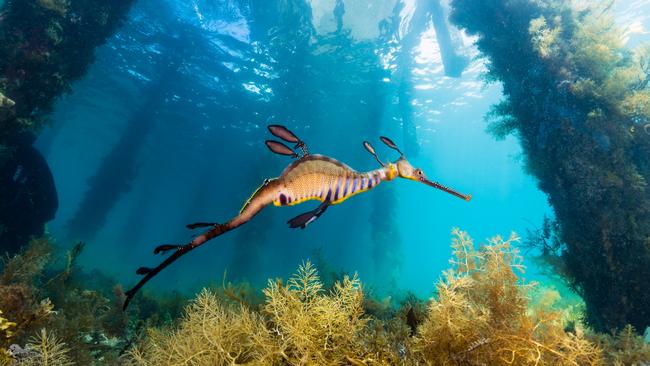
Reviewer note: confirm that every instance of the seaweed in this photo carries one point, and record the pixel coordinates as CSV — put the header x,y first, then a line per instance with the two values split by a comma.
x,y
27,266
18,288
624,347
39,290
242,293
311,326
482,313
211,333
298,324
577,99
6,326
46,349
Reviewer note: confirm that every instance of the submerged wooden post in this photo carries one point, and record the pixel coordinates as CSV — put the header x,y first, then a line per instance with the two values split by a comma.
x,y
453,63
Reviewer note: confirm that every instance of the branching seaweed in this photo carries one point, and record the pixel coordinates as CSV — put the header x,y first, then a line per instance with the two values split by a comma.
x,y
312,327
35,293
299,324
482,314
27,266
624,347
211,333
45,349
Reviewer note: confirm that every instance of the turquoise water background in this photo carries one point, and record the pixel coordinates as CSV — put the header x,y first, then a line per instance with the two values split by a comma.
x,y
182,94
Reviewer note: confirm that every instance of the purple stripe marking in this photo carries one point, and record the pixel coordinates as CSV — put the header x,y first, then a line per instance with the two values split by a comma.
x,y
338,186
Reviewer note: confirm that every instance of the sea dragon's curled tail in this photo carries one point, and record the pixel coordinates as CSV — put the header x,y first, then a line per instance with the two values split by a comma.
x,y
149,273
262,197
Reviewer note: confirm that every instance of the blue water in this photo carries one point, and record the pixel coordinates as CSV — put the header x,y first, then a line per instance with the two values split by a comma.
x,y
194,83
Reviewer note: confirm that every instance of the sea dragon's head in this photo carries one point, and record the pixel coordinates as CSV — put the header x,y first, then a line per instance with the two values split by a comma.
x,y
407,171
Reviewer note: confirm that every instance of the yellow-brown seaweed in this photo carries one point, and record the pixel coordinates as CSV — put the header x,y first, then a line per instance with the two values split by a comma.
x,y
482,314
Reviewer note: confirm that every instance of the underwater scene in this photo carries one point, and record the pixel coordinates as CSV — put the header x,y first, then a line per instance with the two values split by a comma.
x,y
324,182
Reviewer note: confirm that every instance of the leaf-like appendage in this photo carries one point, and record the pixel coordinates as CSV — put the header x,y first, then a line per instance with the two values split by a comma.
x,y
46,349
306,282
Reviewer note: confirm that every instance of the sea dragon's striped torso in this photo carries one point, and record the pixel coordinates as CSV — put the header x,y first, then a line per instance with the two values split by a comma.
x,y
321,178
311,177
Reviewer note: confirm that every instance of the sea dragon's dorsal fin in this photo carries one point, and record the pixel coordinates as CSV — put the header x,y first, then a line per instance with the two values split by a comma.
x,y
288,136
371,150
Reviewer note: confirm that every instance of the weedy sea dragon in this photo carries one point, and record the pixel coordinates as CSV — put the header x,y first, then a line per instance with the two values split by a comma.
x,y
310,177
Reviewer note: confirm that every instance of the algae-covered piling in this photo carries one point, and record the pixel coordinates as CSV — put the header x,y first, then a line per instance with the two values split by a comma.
x,y
577,99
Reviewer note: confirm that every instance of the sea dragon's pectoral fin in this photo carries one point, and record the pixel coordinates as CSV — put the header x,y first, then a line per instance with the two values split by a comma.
x,y
308,217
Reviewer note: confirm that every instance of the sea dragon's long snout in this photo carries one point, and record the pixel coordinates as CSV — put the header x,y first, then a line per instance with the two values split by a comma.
x,y
451,191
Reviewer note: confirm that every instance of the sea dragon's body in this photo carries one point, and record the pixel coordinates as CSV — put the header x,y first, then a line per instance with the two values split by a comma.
x,y
311,177
321,178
